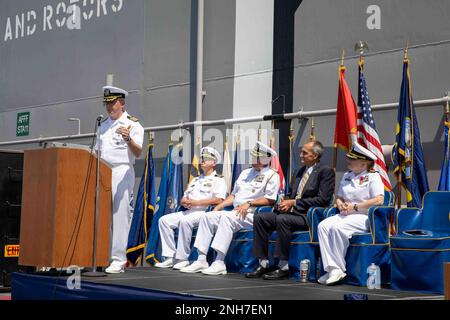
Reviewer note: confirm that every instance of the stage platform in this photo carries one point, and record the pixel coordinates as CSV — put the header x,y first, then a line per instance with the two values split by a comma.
x,y
167,284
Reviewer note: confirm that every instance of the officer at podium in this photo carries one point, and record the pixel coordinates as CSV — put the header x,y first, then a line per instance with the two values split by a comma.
x,y
120,142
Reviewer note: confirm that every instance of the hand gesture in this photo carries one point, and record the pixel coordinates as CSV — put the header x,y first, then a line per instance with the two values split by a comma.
x,y
241,211
125,132
285,205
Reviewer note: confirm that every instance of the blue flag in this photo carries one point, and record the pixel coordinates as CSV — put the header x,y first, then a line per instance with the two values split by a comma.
x,y
153,240
143,211
169,197
444,181
237,166
409,164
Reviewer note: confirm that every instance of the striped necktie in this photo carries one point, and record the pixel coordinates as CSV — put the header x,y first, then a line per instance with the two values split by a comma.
x,y
302,184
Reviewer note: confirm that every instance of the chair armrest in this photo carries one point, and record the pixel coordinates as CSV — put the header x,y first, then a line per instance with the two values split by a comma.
x,y
379,218
264,209
407,219
330,211
314,216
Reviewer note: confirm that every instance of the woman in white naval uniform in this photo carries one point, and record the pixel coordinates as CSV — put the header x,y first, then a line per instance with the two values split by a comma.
x,y
256,186
121,138
207,189
360,189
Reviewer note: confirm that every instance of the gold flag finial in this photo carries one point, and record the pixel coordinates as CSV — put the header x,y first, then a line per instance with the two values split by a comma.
x,y
151,137
361,47
342,57
238,136
312,136
405,54
447,105
259,132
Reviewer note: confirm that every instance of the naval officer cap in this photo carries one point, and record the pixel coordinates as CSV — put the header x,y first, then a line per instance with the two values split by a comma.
x,y
111,93
262,151
358,152
209,153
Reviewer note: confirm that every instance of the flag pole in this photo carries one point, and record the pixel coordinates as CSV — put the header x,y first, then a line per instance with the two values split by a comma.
x,y
291,147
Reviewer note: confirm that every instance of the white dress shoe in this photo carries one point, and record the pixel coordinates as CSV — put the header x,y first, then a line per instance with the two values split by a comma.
x,y
336,275
323,279
217,268
114,268
196,266
168,263
180,265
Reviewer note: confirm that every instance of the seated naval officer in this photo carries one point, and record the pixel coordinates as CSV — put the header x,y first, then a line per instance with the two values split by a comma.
x,y
207,189
312,185
360,189
256,186
121,138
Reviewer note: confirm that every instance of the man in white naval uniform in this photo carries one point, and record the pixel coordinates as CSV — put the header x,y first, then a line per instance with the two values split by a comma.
x,y
120,142
256,186
207,189
360,189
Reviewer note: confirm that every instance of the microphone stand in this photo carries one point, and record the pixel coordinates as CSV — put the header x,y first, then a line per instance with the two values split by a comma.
x,y
94,272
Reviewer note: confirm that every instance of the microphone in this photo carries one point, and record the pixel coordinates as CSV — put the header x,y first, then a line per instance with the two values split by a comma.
x,y
100,117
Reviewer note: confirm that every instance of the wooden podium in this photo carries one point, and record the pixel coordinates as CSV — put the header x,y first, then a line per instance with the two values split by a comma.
x,y
58,209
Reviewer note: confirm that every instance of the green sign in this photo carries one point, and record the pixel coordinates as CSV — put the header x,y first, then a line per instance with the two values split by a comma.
x,y
23,124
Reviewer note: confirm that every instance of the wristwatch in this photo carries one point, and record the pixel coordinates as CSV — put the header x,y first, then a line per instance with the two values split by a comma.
x,y
355,207
128,140
249,202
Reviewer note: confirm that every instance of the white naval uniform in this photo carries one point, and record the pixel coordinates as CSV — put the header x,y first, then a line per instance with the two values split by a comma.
x,y
115,151
201,188
334,232
250,185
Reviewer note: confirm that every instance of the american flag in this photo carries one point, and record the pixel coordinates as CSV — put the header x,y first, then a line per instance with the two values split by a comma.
x,y
367,132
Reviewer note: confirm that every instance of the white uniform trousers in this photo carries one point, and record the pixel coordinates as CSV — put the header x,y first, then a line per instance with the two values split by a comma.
x,y
223,224
122,195
185,221
334,234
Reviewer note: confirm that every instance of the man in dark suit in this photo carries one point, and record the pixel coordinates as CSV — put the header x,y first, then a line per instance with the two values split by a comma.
x,y
312,186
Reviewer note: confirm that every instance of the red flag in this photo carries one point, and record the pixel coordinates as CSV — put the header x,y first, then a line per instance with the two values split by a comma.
x,y
275,164
345,129
367,131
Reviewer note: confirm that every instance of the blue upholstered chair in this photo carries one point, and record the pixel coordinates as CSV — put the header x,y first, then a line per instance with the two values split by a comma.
x,y
304,245
239,257
422,244
372,246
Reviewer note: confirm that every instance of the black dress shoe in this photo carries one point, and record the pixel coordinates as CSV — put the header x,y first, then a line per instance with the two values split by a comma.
x,y
258,273
277,275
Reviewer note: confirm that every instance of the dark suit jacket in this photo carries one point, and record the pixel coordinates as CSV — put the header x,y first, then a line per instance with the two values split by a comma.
x,y
318,190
